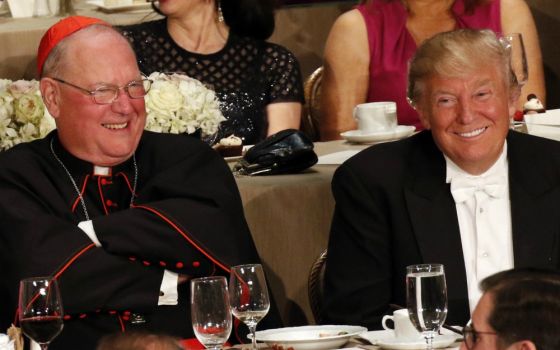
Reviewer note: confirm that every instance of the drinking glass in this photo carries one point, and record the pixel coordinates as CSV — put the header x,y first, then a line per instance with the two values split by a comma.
x,y
518,58
249,296
210,311
518,62
40,309
426,299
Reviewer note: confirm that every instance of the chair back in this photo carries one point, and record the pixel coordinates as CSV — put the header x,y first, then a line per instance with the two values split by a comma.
x,y
315,286
312,108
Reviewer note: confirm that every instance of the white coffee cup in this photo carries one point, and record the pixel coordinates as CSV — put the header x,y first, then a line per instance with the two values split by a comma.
x,y
404,329
376,116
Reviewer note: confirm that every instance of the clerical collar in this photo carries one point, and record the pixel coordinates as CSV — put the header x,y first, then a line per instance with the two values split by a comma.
x,y
101,170
81,167
498,168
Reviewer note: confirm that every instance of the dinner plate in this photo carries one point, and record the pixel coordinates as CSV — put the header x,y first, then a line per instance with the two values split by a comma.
x,y
309,337
358,136
135,6
386,340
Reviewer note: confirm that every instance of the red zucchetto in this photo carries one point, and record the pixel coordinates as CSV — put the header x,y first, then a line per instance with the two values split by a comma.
x,y
58,32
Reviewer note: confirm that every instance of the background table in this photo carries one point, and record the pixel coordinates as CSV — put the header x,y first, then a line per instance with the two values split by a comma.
x,y
289,217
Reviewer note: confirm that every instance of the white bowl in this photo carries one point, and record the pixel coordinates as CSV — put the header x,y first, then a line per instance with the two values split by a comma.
x,y
309,337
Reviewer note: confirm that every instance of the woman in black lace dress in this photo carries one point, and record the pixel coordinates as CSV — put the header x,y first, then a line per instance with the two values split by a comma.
x,y
222,44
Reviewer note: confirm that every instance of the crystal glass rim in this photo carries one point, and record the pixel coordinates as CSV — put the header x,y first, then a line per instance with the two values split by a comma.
x,y
209,279
425,268
50,278
237,267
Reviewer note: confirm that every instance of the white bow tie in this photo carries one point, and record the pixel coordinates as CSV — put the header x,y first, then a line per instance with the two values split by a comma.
x,y
463,188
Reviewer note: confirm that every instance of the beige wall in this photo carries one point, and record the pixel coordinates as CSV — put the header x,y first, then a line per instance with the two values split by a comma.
x,y
547,18
304,31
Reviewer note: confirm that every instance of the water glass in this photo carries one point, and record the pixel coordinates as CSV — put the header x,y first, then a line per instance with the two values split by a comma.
x,y
210,311
426,299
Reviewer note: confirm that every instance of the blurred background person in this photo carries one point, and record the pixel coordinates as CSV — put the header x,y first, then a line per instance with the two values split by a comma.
x,y
368,50
222,44
519,310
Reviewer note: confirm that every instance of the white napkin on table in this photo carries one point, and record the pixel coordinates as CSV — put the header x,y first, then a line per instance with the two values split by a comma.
x,y
337,157
21,8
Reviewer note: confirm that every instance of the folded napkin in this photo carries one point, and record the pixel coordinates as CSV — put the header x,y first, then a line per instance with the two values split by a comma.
x,y
21,8
337,157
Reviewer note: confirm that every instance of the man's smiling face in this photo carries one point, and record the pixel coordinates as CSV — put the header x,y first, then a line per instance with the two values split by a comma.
x,y
468,116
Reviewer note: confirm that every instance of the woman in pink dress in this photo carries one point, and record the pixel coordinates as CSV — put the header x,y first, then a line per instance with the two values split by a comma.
x,y
368,50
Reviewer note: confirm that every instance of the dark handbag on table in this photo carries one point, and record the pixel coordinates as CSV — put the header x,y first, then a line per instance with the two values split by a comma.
x,y
287,151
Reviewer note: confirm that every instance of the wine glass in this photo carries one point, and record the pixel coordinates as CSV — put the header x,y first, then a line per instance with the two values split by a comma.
x,y
518,58
40,309
513,44
426,299
249,296
210,311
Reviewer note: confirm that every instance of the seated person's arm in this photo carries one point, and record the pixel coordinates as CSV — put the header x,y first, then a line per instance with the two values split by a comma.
x,y
190,200
283,115
358,276
517,18
345,76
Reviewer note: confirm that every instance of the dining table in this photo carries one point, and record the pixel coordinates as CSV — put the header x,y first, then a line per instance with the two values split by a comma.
x,y
289,217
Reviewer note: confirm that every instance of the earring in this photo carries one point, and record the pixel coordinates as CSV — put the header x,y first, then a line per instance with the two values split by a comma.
x,y
220,13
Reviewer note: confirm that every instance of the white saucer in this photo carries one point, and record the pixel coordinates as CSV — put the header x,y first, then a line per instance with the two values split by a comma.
x,y
386,340
115,8
358,136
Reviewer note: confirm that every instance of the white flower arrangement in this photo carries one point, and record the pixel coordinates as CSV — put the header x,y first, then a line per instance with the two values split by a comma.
x,y
177,104
23,116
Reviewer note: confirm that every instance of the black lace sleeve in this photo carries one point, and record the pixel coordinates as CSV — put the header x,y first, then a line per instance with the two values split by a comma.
x,y
283,74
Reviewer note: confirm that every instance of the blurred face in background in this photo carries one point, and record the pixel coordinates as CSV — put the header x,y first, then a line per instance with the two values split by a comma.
x,y
468,116
486,337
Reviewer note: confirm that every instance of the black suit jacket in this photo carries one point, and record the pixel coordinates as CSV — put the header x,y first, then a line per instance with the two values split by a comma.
x,y
394,209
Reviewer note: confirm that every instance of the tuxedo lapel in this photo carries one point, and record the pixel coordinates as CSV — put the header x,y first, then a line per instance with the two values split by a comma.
x,y
433,215
535,198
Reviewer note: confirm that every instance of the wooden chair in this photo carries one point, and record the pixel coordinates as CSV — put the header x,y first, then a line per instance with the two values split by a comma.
x,y
315,286
312,108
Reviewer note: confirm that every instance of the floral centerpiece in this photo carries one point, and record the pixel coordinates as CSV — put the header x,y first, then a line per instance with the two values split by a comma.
x,y
23,117
177,104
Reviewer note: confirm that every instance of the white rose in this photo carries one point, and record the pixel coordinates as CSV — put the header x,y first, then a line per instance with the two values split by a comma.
x,y
23,87
29,108
164,98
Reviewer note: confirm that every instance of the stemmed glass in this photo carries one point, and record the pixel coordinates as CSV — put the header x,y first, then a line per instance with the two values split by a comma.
x,y
210,311
426,299
249,296
40,309
513,44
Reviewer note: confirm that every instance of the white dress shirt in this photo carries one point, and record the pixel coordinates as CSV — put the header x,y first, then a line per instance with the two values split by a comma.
x,y
484,223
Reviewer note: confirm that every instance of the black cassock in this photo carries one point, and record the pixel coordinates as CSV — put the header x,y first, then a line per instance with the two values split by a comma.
x,y
186,217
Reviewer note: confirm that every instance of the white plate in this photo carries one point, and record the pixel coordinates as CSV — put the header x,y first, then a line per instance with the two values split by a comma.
x,y
135,6
386,340
550,117
358,136
309,337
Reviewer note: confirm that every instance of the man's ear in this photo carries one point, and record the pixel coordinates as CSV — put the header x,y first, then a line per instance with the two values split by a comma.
x,y
522,345
423,114
51,96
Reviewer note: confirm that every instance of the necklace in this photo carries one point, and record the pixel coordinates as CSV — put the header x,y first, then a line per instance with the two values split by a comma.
x,y
82,202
